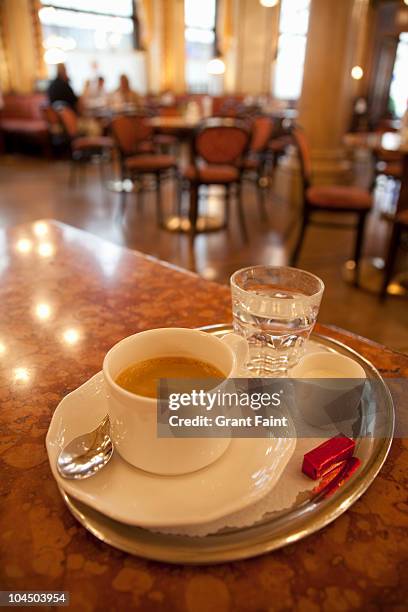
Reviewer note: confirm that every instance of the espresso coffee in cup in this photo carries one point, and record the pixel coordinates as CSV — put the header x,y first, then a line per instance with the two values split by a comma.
x,y
143,377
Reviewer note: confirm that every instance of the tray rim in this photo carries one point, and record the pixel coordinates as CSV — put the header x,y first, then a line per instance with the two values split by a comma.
x,y
260,543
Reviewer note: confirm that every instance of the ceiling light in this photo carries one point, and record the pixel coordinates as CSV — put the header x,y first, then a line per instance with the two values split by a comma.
x,y
54,56
47,14
357,73
269,3
216,66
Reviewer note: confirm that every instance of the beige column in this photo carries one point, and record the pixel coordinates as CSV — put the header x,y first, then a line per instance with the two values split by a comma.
x,y
325,105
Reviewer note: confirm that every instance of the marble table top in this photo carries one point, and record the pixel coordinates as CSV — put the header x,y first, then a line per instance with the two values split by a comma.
x,y
65,298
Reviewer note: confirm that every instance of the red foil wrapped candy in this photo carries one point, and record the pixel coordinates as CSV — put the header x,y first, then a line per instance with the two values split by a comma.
x,y
327,456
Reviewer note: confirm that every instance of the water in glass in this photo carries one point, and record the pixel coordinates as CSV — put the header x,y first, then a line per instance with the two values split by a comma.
x,y
275,309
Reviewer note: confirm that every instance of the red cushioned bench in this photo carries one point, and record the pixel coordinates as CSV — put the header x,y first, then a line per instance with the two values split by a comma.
x,y
21,118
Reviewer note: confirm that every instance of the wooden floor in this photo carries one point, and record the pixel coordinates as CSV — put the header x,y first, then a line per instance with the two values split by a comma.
x,y
36,189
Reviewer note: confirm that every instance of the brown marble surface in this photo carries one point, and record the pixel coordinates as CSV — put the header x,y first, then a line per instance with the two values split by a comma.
x,y
65,298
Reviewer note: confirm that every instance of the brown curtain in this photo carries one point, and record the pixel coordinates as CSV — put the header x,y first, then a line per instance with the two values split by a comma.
x,y
4,64
225,25
145,13
40,66
21,45
173,53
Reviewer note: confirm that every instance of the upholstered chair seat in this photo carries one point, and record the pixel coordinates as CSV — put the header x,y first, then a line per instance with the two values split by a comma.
x,y
211,174
279,144
342,197
153,163
251,163
92,142
391,168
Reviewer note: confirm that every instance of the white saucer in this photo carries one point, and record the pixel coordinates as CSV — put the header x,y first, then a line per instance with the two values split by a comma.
x,y
246,472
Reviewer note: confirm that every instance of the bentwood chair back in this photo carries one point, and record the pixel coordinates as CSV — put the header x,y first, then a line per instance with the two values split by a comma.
x,y
305,156
129,132
68,118
219,147
221,141
255,163
57,137
51,116
83,148
261,133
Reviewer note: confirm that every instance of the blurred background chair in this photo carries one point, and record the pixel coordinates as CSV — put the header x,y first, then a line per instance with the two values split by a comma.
x,y
400,227
255,161
57,135
219,148
389,165
134,139
333,199
84,149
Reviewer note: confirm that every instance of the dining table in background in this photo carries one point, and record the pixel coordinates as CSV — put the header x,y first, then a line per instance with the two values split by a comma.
x,y
66,297
388,142
372,269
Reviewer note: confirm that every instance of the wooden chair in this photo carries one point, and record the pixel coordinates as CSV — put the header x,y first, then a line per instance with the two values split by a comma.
x,y
219,147
400,226
58,139
329,199
84,149
388,164
277,147
254,163
130,133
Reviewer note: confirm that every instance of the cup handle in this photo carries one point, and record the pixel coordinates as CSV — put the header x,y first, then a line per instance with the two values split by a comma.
x,y
239,347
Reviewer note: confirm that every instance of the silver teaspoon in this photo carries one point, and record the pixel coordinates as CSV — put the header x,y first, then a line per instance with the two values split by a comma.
x,y
87,454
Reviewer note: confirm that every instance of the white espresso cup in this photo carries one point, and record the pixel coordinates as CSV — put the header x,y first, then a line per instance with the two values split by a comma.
x,y
133,417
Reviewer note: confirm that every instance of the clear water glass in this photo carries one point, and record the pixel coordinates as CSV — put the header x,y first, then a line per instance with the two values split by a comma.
x,y
275,309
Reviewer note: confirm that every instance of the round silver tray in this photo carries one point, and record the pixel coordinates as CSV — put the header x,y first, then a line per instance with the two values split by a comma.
x,y
275,530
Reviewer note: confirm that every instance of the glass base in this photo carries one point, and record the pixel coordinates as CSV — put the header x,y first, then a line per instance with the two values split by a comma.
x,y
267,365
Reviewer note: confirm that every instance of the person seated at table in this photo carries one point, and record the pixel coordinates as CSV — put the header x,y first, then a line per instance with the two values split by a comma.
x,y
94,94
100,91
124,94
59,90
